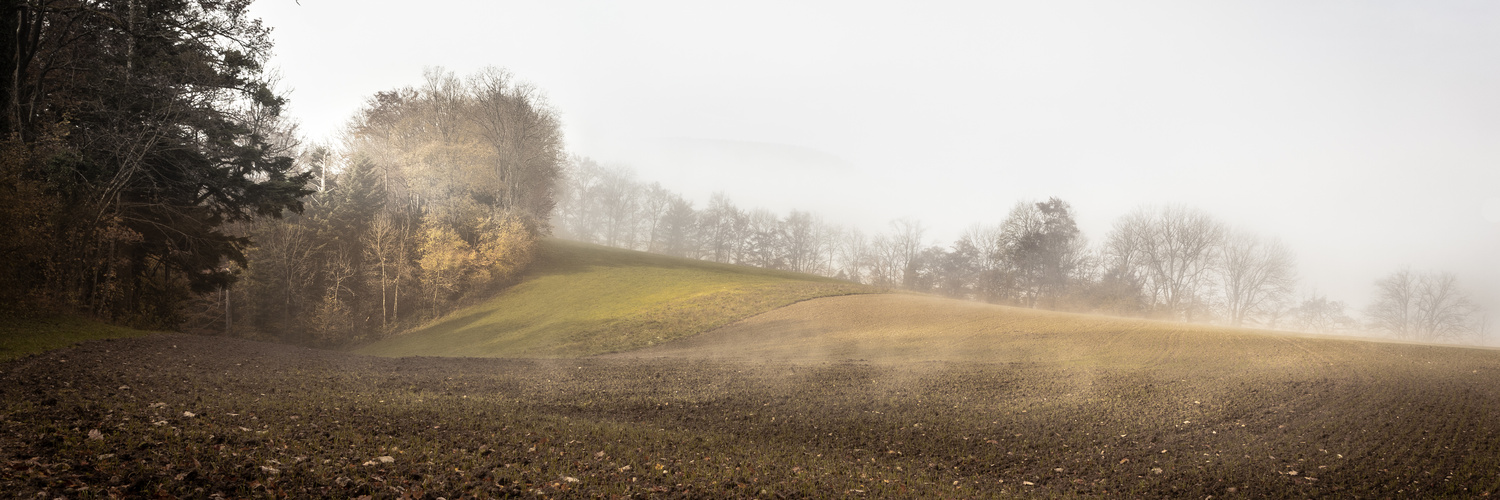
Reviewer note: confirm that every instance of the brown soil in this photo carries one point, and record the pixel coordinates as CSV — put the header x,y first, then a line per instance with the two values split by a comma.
x,y
185,416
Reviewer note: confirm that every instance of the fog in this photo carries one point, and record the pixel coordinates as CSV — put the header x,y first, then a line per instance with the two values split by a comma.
x,y
1361,133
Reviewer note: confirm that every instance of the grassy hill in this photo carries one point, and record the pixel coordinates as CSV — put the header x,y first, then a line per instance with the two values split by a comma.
x,y
580,299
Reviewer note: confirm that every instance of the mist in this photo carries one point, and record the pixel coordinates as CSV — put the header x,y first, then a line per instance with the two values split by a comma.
x,y
1360,134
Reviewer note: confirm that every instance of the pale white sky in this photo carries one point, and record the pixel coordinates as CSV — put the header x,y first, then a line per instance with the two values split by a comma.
x,y
1364,134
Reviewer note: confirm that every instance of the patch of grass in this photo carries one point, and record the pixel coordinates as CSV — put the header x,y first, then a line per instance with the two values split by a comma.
x,y
23,336
580,299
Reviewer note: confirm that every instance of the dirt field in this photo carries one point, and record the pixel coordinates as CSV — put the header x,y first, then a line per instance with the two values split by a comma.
x,y
190,416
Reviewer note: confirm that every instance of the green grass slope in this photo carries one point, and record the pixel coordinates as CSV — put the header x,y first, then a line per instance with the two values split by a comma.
x,y
580,299
22,336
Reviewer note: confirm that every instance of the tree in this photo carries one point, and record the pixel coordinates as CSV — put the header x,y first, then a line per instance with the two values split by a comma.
x,y
1422,306
716,226
159,129
802,242
678,228
1254,274
1170,252
1319,315
618,198
1040,248
446,258
905,248
656,203
524,137
577,212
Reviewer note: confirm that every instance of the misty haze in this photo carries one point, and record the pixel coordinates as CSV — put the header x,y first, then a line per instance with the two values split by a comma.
x,y
311,249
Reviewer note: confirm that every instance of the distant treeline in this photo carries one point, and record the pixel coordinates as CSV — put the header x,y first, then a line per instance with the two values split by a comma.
x,y
1165,262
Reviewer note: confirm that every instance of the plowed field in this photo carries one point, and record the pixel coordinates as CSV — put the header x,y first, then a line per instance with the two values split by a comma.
x,y
1113,415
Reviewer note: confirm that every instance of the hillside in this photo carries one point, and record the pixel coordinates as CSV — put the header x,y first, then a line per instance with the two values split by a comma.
x,y
914,328
581,299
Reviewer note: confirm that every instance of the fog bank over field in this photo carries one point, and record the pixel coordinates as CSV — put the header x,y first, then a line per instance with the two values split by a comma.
x,y
1361,134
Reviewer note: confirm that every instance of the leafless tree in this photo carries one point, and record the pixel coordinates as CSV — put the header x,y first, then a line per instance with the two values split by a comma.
x,y
803,245
379,244
1254,274
1422,306
1317,314
854,256
514,121
717,226
905,247
656,203
1170,250
618,197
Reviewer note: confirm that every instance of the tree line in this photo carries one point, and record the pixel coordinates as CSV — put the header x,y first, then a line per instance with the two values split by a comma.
x,y
137,133
1165,262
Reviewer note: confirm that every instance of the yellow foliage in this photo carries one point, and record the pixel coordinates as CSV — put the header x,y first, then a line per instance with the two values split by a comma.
x,y
506,247
446,258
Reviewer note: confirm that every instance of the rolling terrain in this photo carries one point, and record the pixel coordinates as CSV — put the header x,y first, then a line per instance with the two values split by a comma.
x,y
580,299
879,395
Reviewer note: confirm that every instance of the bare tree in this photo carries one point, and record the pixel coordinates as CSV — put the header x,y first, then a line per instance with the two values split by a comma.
x,y
1170,251
803,246
656,203
1394,309
379,243
854,256
577,212
1426,306
618,196
763,244
717,227
1254,274
1319,315
905,247
522,133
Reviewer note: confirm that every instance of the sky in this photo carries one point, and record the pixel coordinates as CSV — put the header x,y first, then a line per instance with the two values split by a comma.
x,y
1365,135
